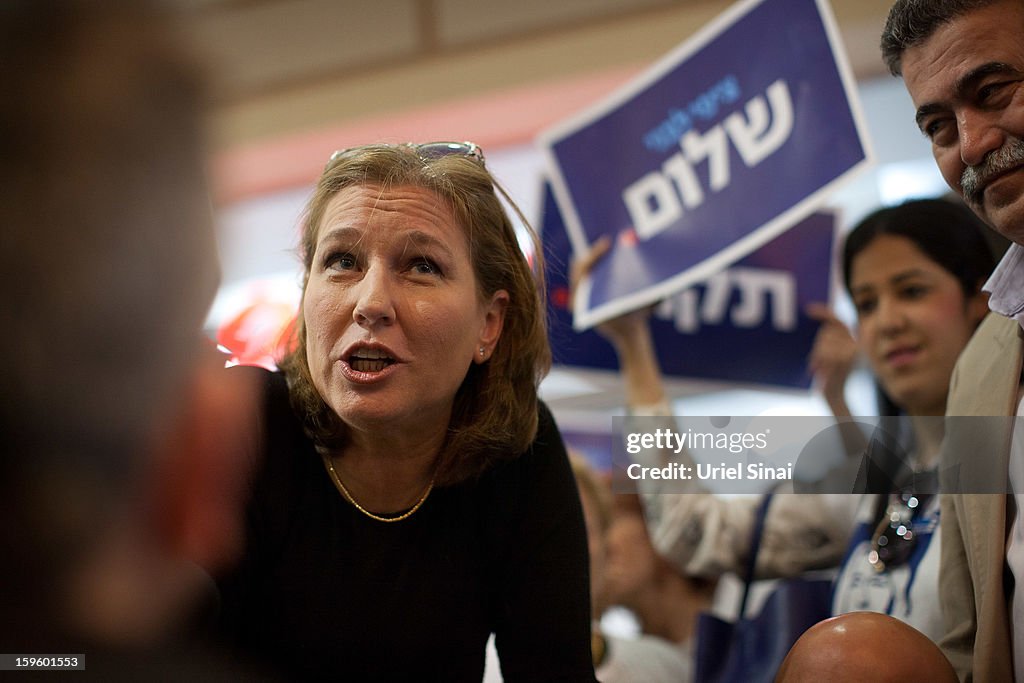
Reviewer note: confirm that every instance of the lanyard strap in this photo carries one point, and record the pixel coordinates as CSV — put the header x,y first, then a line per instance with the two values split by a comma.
x,y
755,547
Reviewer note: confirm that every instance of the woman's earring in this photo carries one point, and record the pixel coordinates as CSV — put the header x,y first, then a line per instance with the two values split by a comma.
x,y
481,351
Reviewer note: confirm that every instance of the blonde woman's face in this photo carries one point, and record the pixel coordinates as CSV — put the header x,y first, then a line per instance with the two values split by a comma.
x,y
393,318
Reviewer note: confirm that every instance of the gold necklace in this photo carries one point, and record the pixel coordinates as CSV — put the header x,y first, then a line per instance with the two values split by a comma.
x,y
348,496
598,645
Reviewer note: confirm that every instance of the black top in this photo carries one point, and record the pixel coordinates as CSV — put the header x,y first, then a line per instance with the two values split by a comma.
x,y
325,591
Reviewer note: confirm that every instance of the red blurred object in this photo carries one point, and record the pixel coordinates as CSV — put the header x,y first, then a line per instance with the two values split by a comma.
x,y
560,297
262,334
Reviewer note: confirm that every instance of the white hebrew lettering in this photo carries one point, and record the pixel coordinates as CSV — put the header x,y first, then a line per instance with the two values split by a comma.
x,y
654,204
753,137
713,146
681,309
756,287
651,217
680,170
716,298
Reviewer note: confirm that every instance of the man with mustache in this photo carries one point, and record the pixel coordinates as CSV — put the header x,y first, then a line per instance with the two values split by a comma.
x,y
963,64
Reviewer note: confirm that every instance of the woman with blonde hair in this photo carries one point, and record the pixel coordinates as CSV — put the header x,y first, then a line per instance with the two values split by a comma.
x,y
414,496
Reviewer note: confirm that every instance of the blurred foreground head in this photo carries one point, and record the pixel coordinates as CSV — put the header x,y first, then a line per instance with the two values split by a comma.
x,y
864,647
108,267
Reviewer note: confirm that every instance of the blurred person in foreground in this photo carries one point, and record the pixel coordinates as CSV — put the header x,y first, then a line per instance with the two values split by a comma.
x,y
413,495
648,657
120,471
962,62
665,602
860,647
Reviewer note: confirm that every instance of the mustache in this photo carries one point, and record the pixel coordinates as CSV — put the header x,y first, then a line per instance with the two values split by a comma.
x,y
974,178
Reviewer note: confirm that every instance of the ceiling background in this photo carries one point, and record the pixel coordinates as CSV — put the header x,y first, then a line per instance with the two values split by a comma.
x,y
287,67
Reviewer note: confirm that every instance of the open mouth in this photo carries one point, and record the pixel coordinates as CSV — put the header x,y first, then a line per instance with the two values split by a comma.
x,y
369,360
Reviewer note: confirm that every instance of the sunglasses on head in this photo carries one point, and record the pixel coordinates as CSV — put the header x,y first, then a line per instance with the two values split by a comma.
x,y
427,151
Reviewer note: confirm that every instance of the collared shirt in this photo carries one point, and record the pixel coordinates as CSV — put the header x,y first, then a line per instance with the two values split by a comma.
x,y
1006,287
1015,550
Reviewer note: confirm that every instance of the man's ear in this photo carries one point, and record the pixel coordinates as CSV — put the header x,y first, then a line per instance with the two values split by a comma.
x,y
203,469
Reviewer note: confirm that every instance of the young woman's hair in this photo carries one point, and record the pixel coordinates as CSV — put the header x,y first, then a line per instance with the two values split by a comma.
x,y
946,232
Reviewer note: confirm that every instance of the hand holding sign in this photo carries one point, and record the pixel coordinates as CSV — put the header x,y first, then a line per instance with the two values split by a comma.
x,y
630,335
725,144
832,357
746,325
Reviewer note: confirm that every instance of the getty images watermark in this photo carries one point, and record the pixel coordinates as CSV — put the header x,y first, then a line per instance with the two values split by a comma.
x,y
686,454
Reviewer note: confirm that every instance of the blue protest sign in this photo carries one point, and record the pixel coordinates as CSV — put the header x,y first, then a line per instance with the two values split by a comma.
x,y
720,147
745,324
